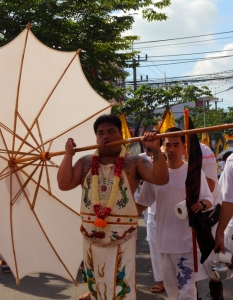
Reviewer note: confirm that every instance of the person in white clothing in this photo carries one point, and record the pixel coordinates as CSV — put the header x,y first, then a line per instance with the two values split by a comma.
x,y
174,236
150,220
209,168
4,265
222,164
228,233
226,216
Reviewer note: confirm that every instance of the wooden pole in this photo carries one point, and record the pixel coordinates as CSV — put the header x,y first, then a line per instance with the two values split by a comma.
x,y
131,140
194,238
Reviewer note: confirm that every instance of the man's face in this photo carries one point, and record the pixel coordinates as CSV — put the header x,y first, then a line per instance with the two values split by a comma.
x,y
174,149
107,132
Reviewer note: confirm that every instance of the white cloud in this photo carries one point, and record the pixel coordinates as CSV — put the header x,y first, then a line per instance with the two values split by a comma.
x,y
185,18
215,65
188,18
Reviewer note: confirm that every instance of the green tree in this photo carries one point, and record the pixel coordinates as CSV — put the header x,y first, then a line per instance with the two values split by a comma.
x,y
212,117
143,102
94,26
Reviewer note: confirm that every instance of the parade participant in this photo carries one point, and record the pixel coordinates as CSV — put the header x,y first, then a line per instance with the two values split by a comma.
x,y
222,163
209,168
174,236
226,215
150,221
4,266
228,233
109,214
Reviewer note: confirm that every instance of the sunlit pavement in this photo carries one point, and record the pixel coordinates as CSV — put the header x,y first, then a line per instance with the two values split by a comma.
x,y
47,286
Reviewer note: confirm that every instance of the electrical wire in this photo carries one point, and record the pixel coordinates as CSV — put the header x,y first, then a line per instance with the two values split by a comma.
x,y
183,62
187,37
195,53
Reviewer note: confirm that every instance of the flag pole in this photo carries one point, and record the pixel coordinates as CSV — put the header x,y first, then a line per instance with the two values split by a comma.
x,y
194,238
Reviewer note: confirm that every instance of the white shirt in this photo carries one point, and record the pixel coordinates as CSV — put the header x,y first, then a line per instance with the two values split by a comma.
x,y
226,183
222,165
173,234
209,168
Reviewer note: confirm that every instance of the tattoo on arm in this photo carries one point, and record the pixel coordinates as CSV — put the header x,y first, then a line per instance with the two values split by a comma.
x,y
86,166
155,155
131,160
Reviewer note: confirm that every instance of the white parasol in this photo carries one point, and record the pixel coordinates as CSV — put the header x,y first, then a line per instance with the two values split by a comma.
x,y
45,98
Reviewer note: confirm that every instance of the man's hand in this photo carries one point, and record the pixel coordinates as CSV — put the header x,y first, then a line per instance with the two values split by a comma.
x,y
197,207
70,145
219,244
149,142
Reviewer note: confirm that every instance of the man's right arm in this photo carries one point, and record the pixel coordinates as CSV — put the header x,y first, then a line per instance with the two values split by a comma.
x,y
225,216
226,183
68,176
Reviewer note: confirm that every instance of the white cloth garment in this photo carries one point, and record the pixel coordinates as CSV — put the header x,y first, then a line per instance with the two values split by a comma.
x,y
170,229
151,237
109,259
178,276
209,168
226,186
150,221
174,237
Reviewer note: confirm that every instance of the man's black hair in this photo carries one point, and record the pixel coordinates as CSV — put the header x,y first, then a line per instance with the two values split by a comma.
x,y
173,129
226,155
113,119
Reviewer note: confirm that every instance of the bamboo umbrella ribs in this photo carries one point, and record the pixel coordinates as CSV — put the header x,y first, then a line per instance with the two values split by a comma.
x,y
45,98
48,155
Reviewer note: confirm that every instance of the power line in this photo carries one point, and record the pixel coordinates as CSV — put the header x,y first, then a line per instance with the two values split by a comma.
x,y
195,53
211,78
180,38
192,59
168,45
189,60
199,75
156,68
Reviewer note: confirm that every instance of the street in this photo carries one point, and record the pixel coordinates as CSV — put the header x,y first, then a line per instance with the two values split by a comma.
x,y
47,286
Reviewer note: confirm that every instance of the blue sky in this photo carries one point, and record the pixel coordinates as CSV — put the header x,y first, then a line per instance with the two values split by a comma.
x,y
189,18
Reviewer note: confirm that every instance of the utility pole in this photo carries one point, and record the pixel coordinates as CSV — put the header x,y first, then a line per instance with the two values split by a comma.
x,y
134,65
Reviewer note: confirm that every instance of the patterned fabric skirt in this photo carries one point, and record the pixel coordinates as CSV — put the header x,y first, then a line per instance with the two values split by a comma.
x,y
110,271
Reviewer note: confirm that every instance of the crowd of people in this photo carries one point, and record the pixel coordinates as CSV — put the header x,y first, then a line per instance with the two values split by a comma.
x,y
118,186
110,213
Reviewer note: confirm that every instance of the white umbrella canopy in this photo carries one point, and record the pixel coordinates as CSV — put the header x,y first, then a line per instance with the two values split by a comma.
x,y
45,98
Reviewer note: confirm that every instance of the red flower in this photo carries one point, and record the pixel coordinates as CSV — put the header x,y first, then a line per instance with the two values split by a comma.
x,y
100,212
100,223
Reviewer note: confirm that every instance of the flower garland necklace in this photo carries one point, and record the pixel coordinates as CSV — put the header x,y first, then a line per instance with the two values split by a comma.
x,y
102,213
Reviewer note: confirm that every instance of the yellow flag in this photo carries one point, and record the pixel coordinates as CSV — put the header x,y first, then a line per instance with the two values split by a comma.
x,y
205,139
219,143
168,121
125,127
225,146
228,137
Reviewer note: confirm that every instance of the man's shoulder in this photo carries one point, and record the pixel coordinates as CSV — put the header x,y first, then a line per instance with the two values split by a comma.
x,y
87,157
86,161
135,158
132,158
